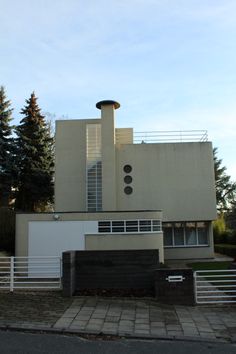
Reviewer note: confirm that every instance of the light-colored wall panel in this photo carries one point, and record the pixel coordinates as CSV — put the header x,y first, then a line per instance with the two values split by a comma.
x,y
51,238
125,242
24,220
70,165
177,178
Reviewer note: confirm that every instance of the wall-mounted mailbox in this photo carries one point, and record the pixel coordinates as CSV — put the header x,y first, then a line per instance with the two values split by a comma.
x,y
175,278
175,286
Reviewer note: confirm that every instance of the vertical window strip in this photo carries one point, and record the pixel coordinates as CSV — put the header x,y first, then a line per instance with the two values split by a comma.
x,y
93,167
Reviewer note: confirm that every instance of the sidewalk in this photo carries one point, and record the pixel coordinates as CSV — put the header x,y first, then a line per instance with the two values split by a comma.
x,y
139,317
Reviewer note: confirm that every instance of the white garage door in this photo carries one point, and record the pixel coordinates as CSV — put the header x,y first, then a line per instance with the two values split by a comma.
x,y
51,238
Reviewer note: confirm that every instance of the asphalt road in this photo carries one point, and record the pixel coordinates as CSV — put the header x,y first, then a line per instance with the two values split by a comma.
x,y
28,343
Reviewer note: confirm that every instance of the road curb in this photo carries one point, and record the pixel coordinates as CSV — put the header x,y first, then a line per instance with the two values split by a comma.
x,y
100,334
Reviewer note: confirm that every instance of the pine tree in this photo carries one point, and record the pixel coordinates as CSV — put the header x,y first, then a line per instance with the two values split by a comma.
x,y
225,188
6,149
35,159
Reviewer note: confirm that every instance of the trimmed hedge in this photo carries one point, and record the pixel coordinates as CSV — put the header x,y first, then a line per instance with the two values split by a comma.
x,y
7,230
229,250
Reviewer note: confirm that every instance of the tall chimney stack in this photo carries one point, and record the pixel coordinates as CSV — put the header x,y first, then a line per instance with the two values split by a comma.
x,y
107,108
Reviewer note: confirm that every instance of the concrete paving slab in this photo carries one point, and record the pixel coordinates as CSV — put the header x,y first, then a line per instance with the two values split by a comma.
x,y
133,317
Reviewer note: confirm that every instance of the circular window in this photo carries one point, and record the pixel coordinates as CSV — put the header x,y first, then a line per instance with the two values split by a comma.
x,y
127,168
128,190
128,179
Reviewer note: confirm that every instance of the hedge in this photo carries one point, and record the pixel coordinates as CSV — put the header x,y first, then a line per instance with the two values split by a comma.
x,y
229,250
7,230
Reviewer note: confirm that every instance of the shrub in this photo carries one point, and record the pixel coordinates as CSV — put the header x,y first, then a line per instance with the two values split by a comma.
x,y
7,230
219,230
231,238
229,250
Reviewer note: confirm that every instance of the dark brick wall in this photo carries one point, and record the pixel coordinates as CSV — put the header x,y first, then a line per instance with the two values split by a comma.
x,y
179,293
68,273
120,269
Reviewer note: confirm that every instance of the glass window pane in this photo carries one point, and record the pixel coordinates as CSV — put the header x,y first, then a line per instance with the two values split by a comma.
x,y
167,233
179,234
191,236
156,225
104,226
145,225
118,226
202,233
132,226
104,229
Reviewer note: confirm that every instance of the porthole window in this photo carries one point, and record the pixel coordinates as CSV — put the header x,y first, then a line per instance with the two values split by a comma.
x,y
127,168
128,179
128,190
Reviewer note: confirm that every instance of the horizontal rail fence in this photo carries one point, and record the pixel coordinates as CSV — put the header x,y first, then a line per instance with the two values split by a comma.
x,y
171,136
215,286
30,273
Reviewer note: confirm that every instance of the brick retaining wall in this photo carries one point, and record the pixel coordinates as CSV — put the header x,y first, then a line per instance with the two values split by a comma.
x,y
119,269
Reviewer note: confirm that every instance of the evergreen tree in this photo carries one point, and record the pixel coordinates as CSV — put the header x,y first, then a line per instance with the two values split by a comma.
x,y
35,159
6,149
225,188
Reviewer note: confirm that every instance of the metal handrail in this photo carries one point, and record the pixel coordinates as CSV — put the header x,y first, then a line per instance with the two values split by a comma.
x,y
171,136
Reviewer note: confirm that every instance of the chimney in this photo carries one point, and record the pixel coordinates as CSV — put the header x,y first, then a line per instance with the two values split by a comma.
x,y
108,150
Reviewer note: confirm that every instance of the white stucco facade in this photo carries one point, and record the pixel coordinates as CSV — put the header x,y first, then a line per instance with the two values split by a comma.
x,y
100,169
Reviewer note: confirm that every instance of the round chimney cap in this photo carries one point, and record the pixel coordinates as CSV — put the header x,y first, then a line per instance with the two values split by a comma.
x,y
107,103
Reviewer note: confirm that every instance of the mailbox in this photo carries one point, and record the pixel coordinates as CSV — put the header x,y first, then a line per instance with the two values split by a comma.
x,y
174,286
175,278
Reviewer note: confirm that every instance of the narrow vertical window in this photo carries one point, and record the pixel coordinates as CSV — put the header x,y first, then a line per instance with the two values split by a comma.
x,y
94,167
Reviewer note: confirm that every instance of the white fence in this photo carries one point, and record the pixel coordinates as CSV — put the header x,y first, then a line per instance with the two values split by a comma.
x,y
215,286
30,273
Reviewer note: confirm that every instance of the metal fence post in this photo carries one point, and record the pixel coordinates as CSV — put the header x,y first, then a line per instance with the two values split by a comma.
x,y
60,260
195,286
12,275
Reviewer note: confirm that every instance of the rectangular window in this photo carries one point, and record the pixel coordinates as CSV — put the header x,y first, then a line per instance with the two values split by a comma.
x,y
93,167
132,226
118,226
156,225
104,226
168,234
185,234
145,225
129,226
191,235
202,233
179,234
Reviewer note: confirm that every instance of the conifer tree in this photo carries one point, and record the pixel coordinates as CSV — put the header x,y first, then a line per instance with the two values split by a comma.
x,y
35,159
6,149
225,188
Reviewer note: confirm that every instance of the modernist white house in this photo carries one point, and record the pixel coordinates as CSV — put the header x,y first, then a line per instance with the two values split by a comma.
x,y
113,191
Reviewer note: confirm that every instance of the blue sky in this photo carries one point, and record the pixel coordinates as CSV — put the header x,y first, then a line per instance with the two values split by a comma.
x,y
170,63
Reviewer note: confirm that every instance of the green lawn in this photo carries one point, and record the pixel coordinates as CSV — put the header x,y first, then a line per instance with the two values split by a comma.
x,y
209,265
225,245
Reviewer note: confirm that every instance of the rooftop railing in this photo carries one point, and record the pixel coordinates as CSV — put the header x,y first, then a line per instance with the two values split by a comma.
x,y
170,136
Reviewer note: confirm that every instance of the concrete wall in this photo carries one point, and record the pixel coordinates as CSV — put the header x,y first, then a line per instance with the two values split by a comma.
x,y
42,231
70,164
124,136
126,242
177,178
